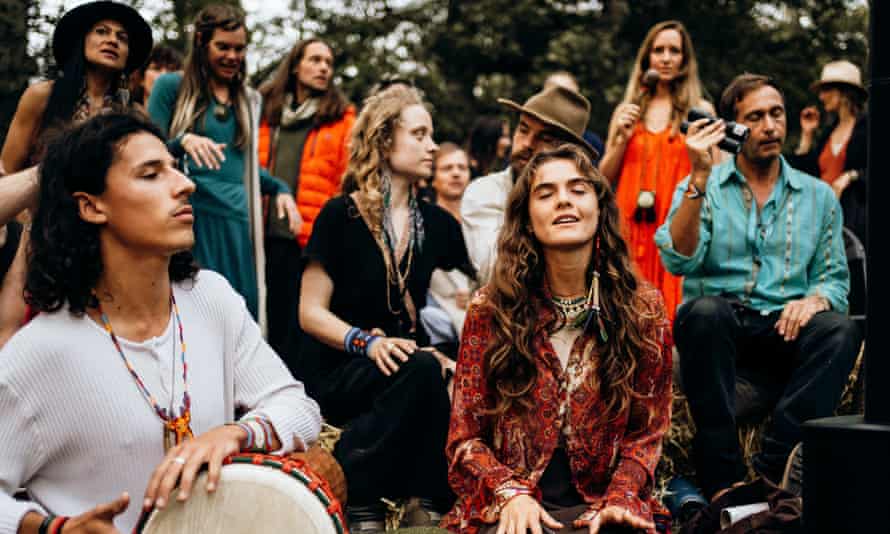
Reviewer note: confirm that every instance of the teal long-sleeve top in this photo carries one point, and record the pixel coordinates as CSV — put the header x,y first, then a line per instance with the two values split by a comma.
x,y
792,248
223,230
222,191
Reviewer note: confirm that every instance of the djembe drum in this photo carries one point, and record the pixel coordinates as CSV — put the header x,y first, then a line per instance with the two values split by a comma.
x,y
257,494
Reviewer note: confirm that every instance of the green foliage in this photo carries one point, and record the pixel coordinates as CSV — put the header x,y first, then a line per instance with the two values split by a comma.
x,y
174,22
16,66
464,55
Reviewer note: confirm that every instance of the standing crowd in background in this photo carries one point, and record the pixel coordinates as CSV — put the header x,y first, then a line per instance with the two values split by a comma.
x,y
497,325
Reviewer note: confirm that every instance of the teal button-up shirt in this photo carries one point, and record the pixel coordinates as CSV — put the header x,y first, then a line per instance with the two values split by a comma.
x,y
791,249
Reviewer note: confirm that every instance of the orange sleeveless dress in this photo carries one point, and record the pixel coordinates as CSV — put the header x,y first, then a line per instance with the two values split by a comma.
x,y
654,162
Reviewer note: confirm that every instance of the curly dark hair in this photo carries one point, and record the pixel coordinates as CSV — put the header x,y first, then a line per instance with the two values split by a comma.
x,y
519,275
64,257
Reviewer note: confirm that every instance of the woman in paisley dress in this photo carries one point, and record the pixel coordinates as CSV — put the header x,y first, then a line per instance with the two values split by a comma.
x,y
563,384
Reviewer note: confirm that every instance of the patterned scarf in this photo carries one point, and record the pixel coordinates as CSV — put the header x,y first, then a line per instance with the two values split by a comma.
x,y
291,116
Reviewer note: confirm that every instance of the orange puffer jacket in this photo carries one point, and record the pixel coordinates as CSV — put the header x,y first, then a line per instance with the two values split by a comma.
x,y
325,156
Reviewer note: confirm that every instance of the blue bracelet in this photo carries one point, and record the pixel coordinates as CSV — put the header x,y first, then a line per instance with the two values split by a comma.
x,y
358,341
350,337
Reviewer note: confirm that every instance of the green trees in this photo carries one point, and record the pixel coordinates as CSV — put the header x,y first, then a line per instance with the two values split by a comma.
x,y
464,55
16,66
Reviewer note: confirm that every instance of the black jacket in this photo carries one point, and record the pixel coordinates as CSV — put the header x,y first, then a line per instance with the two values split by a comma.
x,y
854,197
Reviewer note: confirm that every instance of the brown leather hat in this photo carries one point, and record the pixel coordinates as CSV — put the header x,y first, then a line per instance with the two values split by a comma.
x,y
561,108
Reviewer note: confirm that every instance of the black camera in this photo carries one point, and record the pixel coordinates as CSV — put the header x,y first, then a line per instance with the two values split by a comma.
x,y
736,134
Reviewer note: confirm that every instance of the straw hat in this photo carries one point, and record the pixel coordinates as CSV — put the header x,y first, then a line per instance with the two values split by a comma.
x,y
562,108
843,73
69,32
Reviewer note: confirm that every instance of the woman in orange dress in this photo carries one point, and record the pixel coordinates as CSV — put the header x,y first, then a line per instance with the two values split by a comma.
x,y
645,153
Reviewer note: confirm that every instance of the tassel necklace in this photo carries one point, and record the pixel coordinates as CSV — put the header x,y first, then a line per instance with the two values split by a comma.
x,y
594,313
581,312
176,429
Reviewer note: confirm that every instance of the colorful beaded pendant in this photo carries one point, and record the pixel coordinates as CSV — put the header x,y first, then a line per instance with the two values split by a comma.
x,y
176,429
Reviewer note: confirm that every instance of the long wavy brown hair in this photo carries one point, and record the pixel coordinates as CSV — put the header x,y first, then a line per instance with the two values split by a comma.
x,y
371,144
686,91
517,289
332,103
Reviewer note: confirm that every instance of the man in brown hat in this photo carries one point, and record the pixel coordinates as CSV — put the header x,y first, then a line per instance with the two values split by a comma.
x,y
554,116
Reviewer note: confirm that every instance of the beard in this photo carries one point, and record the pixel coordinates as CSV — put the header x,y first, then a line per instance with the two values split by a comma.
x,y
519,161
762,161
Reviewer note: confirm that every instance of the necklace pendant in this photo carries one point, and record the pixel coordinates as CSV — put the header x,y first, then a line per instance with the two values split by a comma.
x,y
179,429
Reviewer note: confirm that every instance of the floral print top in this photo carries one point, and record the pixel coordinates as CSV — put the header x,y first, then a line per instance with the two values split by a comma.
x,y
612,461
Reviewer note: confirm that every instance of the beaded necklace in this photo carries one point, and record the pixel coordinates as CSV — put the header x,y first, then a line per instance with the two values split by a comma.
x,y
176,429
580,311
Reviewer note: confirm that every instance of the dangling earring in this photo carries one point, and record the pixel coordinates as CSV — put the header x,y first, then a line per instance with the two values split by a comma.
x,y
122,95
593,298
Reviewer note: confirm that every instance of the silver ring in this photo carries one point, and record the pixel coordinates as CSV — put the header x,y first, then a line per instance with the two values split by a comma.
x,y
179,460
389,347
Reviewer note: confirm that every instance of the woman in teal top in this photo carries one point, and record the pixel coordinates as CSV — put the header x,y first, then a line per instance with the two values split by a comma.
x,y
211,118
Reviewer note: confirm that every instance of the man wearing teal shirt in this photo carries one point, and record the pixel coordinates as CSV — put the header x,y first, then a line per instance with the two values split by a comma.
x,y
760,245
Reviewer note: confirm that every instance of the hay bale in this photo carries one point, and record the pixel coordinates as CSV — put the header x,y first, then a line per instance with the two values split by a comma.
x,y
677,448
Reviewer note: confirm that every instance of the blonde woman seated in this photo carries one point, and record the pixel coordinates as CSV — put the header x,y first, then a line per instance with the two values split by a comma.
x,y
562,392
366,356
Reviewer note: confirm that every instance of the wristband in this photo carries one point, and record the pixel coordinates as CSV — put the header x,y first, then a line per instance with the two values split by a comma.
x,y
44,525
506,491
695,191
358,341
259,434
56,526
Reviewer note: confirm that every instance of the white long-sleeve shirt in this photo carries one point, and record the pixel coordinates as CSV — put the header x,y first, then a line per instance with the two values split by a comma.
x,y
482,212
75,431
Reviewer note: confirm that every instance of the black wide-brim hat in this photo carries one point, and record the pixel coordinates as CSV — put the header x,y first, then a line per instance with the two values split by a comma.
x,y
69,33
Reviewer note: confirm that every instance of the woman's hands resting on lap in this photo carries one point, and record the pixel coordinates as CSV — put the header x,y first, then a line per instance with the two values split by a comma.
x,y
386,352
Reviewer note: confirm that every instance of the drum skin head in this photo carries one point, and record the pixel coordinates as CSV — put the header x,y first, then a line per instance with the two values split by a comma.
x,y
249,499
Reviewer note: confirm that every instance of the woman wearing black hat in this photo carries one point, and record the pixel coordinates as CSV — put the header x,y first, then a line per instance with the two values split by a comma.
x,y
95,46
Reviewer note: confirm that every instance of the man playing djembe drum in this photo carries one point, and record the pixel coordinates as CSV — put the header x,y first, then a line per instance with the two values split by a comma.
x,y
131,374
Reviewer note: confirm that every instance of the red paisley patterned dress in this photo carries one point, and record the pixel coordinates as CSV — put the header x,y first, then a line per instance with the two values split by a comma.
x,y
612,463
